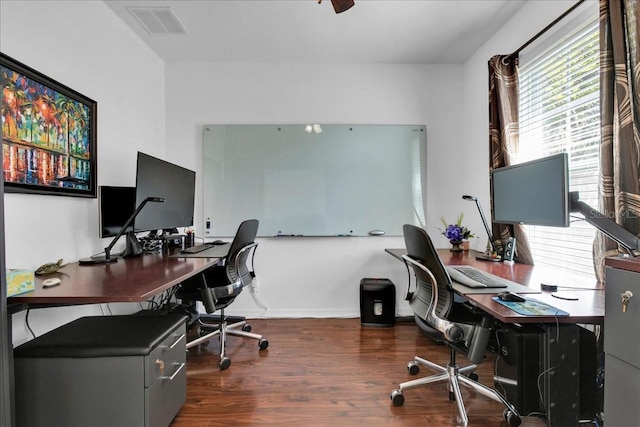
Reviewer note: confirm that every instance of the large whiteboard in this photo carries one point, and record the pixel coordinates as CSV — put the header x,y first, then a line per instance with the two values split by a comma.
x,y
346,180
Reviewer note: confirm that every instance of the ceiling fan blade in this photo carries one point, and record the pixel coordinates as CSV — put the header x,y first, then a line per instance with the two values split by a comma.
x,y
341,5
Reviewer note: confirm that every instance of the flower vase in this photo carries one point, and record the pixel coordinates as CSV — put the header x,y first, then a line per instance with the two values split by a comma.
x,y
455,245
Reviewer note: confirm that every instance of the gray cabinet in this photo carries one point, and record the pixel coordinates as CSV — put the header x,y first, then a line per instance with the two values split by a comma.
x,y
111,371
622,349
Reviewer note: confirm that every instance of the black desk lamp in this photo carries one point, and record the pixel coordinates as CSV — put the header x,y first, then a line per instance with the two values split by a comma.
x,y
485,256
131,240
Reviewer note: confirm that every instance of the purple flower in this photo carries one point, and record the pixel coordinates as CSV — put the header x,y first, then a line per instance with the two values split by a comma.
x,y
454,232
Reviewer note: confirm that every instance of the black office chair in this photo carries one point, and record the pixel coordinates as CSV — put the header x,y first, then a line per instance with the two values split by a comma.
x,y
217,288
463,330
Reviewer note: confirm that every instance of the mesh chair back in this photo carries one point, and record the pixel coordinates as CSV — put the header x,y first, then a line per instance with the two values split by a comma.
x,y
221,289
420,248
237,261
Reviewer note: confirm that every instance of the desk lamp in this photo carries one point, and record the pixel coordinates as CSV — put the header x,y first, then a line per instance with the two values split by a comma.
x,y
107,259
486,256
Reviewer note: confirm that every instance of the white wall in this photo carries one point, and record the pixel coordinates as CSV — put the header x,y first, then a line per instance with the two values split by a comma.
x,y
85,46
311,276
96,54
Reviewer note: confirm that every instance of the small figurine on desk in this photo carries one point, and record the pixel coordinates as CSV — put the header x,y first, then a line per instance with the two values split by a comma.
x,y
49,267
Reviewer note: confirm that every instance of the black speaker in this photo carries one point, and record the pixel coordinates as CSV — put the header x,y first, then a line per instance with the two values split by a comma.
x,y
377,302
518,366
509,249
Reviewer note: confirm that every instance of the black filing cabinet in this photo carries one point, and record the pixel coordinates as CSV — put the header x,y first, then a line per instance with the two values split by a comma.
x,y
103,371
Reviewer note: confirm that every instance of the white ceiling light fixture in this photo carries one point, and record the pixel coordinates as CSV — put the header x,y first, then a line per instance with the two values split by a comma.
x,y
158,20
313,129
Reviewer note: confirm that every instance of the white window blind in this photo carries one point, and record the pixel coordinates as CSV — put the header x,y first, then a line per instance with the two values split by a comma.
x,y
560,112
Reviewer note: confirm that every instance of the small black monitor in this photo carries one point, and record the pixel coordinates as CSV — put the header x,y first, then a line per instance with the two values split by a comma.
x,y
116,205
175,184
533,193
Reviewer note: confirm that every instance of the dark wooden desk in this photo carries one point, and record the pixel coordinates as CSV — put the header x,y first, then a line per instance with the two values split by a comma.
x,y
589,308
128,280
561,347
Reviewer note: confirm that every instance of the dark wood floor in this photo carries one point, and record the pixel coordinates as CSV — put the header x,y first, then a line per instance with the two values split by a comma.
x,y
325,372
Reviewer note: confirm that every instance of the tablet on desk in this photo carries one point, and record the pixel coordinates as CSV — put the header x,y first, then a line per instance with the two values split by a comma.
x,y
532,307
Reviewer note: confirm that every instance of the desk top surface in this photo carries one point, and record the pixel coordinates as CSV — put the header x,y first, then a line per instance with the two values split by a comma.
x,y
589,308
127,280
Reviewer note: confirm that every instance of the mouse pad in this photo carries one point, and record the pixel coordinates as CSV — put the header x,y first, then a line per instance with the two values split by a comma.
x,y
532,307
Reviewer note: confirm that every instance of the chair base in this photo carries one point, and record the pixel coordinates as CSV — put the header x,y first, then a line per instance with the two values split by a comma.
x,y
223,329
453,375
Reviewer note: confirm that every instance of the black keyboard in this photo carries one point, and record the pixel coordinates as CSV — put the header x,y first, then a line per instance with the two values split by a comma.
x,y
477,278
197,248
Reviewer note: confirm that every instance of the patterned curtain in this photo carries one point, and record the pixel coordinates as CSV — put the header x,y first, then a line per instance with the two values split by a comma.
x,y
619,189
503,135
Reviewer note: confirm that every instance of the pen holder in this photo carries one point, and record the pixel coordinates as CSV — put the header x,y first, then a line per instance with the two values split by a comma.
x,y
189,240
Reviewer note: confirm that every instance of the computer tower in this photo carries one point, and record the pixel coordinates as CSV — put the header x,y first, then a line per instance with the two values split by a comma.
x,y
518,365
377,302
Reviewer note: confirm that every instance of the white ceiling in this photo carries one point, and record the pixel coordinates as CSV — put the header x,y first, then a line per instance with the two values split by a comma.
x,y
290,31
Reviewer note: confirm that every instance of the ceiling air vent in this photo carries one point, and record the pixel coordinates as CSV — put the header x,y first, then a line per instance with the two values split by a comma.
x,y
158,20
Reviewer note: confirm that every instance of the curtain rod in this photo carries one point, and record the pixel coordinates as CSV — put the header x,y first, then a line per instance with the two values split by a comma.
x,y
545,29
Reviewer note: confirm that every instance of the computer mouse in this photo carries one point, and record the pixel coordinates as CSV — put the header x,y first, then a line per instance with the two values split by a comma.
x,y
218,242
510,296
50,282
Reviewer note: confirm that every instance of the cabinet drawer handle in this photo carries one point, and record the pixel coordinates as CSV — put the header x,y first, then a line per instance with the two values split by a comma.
x,y
176,342
175,373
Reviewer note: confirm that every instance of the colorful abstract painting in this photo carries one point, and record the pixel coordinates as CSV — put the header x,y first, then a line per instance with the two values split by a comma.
x,y
48,134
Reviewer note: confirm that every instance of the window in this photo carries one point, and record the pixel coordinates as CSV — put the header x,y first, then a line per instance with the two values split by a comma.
x,y
560,112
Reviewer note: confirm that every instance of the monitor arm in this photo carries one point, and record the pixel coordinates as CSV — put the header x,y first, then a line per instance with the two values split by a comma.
x,y
107,251
610,228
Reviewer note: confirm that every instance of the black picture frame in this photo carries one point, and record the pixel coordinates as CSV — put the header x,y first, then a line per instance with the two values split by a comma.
x,y
49,134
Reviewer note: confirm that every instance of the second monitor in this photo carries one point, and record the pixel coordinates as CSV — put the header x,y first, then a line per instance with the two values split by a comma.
x,y
173,183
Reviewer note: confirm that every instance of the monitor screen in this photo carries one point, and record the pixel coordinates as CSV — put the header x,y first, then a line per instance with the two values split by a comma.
x,y
534,192
116,204
175,184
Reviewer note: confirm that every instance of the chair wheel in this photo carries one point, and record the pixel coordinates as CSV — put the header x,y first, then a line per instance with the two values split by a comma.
x,y
225,363
473,376
246,328
263,344
413,368
512,418
397,398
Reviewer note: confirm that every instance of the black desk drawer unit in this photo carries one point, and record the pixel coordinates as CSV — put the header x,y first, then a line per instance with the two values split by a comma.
x,y
111,371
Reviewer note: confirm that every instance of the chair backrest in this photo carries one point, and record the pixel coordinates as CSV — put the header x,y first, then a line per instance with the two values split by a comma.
x,y
246,233
434,298
238,269
420,248
237,260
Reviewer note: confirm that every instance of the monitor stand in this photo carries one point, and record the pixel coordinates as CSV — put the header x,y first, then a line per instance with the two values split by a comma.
x,y
133,246
95,260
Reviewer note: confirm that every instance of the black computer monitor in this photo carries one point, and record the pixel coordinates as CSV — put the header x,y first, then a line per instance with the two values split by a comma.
x,y
116,205
534,192
173,183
